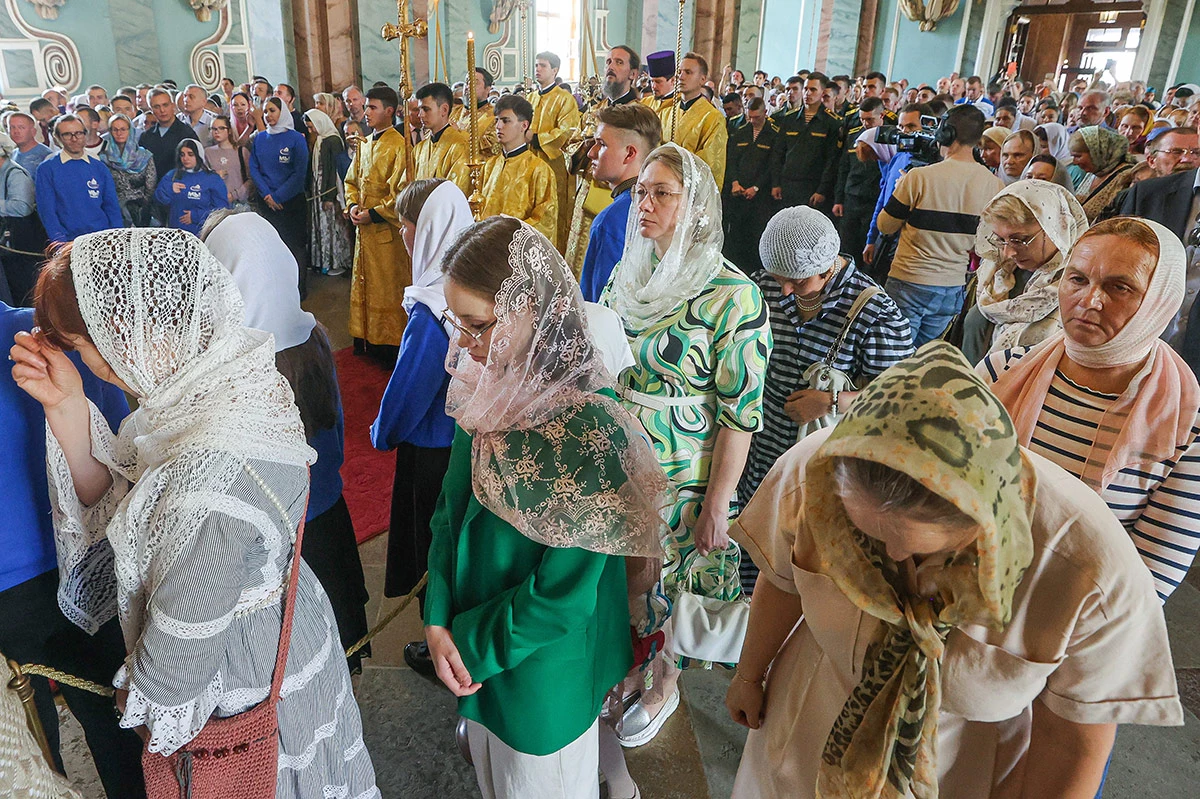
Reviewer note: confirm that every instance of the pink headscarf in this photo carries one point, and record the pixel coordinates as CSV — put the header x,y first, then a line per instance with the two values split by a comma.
x,y
543,458
1154,416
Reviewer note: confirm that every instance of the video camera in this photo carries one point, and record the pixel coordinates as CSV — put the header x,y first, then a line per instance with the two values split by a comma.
x,y
921,144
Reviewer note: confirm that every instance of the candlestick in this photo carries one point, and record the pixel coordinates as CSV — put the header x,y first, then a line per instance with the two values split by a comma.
x,y
474,165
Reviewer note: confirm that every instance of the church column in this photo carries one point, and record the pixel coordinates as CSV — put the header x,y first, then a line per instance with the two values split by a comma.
x,y
839,36
715,32
326,52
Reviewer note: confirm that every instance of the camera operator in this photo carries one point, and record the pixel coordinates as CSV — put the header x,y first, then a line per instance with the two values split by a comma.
x,y
936,211
877,255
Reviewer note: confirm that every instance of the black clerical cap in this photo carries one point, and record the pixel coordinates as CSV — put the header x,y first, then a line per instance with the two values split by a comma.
x,y
661,64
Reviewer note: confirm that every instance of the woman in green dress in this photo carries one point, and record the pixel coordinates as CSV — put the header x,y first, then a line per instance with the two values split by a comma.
x,y
700,335
550,495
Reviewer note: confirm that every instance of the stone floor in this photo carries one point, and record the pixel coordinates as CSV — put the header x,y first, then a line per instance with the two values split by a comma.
x,y
409,721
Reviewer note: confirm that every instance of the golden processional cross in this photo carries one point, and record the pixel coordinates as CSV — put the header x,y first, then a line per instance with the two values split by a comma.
x,y
404,29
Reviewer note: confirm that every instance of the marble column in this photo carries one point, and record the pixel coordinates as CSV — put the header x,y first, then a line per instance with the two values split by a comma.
x,y
746,39
866,37
839,36
714,32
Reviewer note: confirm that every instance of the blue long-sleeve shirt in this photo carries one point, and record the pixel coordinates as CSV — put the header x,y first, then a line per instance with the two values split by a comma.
x,y
279,164
203,192
606,243
76,196
887,185
413,410
325,476
16,190
32,158
27,535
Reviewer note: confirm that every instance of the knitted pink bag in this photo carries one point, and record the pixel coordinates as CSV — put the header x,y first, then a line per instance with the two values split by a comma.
x,y
235,757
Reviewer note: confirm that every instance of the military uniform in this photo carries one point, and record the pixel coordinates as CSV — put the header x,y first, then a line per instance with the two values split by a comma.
x,y
806,157
444,155
555,118
699,129
857,187
733,124
748,161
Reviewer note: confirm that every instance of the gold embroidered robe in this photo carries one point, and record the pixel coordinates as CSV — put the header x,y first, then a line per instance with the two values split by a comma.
x,y
521,186
555,117
382,268
485,133
444,155
700,129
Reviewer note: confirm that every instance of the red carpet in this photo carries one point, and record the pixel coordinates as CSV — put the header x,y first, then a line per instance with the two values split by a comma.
x,y
366,472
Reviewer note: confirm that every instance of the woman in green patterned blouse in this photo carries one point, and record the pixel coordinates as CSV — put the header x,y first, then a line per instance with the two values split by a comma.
x,y
700,336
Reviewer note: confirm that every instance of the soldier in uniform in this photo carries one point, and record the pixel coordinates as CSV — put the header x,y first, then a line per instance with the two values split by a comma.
x,y
747,191
735,117
857,186
806,151
661,68
794,92
555,119
444,151
699,127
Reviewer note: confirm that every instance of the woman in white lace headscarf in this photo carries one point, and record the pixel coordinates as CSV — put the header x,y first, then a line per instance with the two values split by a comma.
x,y
700,335
331,236
1024,235
550,490
183,522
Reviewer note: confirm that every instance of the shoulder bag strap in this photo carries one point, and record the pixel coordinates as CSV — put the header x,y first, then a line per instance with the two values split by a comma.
x,y
289,601
860,302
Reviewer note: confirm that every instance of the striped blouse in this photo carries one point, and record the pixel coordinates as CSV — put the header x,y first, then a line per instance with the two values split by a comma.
x,y
879,337
1158,504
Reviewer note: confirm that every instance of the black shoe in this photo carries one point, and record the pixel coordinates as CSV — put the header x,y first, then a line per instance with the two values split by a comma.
x,y
416,655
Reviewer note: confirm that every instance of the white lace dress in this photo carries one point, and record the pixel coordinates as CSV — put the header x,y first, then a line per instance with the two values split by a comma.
x,y
204,643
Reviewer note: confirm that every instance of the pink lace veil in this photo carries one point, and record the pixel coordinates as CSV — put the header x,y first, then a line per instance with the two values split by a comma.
x,y
564,465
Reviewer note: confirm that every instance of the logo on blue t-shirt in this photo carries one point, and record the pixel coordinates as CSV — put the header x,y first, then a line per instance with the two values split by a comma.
x,y
193,192
285,155
93,186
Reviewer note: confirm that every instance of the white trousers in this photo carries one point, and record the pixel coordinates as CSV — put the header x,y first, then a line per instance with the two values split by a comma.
x,y
504,773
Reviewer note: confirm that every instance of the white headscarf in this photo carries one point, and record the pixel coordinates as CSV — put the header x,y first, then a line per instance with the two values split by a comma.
x,y
1032,316
167,317
644,292
444,215
266,274
285,118
884,152
598,488
1057,139
325,129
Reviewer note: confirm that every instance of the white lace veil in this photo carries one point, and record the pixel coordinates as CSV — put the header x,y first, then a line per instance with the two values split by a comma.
x,y
644,292
167,317
537,460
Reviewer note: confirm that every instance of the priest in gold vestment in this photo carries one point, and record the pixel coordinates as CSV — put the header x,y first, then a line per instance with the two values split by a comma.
x,y
443,152
382,269
555,119
699,126
660,67
518,183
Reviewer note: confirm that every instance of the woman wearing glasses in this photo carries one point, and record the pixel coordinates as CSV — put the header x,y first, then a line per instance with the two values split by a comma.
x,y
412,417
700,335
1024,235
230,160
1108,400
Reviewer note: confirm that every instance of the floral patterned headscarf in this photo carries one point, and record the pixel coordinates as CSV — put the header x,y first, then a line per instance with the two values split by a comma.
x,y
543,460
932,418
1108,148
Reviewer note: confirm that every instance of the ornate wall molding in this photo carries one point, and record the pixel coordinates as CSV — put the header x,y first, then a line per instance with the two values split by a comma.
x,y
58,62
503,58
47,9
207,68
205,8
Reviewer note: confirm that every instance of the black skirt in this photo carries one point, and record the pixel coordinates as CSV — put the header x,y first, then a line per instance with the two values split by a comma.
x,y
331,551
418,482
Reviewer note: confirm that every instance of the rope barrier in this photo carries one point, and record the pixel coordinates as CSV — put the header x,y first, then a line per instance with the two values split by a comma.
x,y
4,248
95,688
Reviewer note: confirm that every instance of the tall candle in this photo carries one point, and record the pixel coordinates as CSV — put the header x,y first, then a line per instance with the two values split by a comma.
x,y
473,105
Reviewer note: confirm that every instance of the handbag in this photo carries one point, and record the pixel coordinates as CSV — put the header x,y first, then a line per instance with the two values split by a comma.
x,y
235,757
704,628
823,377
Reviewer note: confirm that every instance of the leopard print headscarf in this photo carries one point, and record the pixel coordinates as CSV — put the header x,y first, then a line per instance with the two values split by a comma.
x,y
932,418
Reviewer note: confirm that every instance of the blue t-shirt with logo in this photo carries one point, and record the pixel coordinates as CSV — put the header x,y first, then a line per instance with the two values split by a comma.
x,y
279,164
202,193
76,196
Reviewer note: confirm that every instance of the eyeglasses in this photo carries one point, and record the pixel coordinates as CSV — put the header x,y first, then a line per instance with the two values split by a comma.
x,y
657,195
1194,152
1016,242
71,134
474,335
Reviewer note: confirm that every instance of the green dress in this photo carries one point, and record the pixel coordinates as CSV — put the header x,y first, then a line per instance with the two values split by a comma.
x,y
545,630
714,345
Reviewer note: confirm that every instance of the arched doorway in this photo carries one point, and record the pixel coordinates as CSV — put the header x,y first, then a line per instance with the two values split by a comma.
x,y
1074,39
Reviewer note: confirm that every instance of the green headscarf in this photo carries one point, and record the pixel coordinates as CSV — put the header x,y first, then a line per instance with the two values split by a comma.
x,y
1108,148
933,419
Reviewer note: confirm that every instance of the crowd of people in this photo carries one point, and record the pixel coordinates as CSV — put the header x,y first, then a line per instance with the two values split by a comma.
x,y
881,397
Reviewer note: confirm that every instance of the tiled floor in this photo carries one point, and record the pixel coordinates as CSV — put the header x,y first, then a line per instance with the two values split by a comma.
x,y
409,721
